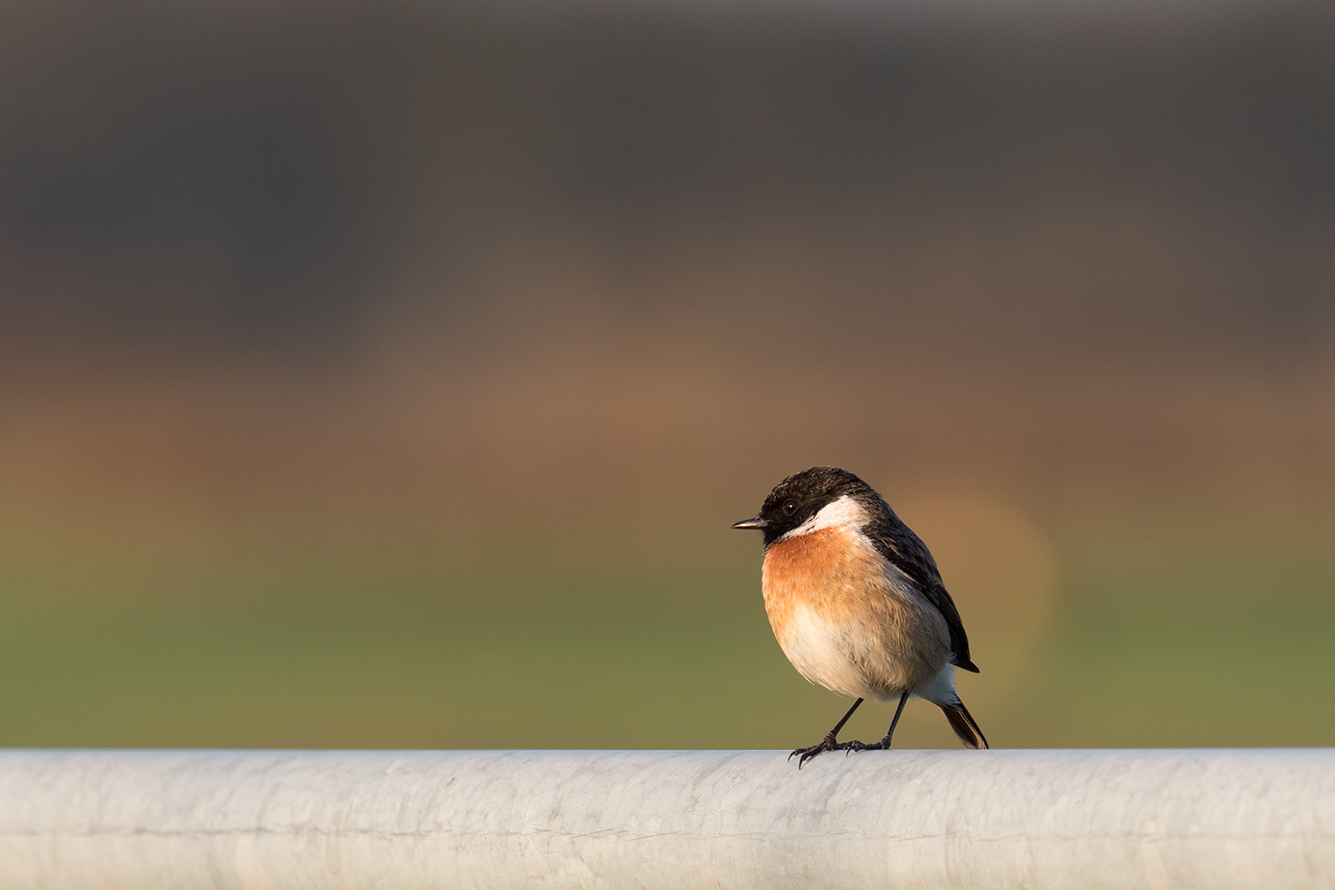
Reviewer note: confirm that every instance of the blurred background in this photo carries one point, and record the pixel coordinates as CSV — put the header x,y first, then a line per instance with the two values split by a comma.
x,y
388,374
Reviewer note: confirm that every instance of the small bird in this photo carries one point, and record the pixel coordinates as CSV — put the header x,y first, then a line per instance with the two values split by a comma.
x,y
857,603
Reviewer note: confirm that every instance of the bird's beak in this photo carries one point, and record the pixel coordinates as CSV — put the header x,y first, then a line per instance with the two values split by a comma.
x,y
753,522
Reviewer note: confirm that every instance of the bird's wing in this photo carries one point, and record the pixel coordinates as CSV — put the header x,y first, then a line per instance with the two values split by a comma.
x,y
906,552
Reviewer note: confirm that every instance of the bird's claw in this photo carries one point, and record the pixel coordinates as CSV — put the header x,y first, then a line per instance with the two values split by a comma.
x,y
864,746
827,744
882,745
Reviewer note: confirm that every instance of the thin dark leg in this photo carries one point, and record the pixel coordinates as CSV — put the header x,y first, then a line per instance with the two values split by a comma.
x,y
883,744
828,743
895,722
840,725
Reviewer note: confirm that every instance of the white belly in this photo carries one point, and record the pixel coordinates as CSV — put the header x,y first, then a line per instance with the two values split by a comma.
x,y
830,655
854,660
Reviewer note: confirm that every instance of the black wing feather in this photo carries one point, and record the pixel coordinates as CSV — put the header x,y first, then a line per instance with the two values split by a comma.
x,y
905,551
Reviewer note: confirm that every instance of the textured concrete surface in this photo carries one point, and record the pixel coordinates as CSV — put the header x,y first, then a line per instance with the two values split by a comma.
x,y
1214,819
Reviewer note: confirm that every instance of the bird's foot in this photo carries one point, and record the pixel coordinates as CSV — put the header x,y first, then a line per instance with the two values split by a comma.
x,y
882,745
827,744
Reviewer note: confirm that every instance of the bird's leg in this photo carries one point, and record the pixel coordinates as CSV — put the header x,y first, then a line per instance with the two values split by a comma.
x,y
883,744
828,743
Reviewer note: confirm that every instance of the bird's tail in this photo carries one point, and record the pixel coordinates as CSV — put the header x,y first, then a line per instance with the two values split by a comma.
x,y
963,724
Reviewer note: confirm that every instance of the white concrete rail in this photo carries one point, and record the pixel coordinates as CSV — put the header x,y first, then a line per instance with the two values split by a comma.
x,y
1066,820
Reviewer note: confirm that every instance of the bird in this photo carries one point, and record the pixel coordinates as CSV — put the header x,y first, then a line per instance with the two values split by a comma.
x,y
857,603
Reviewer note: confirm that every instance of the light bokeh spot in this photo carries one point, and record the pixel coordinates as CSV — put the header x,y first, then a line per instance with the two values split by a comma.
x,y
1002,571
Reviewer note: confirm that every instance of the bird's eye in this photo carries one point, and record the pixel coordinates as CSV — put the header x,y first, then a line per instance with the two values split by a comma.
x,y
790,507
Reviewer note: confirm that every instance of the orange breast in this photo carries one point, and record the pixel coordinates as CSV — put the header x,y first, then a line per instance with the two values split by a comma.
x,y
829,571
878,638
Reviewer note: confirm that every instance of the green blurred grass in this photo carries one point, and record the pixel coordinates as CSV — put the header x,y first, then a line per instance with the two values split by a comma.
x,y
1149,646
1216,642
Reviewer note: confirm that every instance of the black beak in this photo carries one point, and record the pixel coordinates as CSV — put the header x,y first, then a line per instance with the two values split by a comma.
x,y
753,522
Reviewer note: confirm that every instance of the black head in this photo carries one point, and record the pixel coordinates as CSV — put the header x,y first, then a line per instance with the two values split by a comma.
x,y
802,495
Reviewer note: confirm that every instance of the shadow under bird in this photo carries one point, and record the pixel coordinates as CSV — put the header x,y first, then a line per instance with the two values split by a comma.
x,y
857,603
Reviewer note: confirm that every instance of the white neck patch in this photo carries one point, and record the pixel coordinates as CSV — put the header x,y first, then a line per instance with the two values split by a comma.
x,y
841,513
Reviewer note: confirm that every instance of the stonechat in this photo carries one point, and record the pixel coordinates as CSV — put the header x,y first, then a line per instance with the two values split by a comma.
x,y
857,604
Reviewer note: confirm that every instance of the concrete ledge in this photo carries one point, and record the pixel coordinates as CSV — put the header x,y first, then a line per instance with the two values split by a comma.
x,y
1216,819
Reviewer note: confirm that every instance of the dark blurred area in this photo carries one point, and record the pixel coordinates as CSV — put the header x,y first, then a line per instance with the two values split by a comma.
x,y
427,350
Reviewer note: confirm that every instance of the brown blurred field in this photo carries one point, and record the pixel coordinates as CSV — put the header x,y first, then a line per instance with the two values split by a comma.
x,y
391,379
